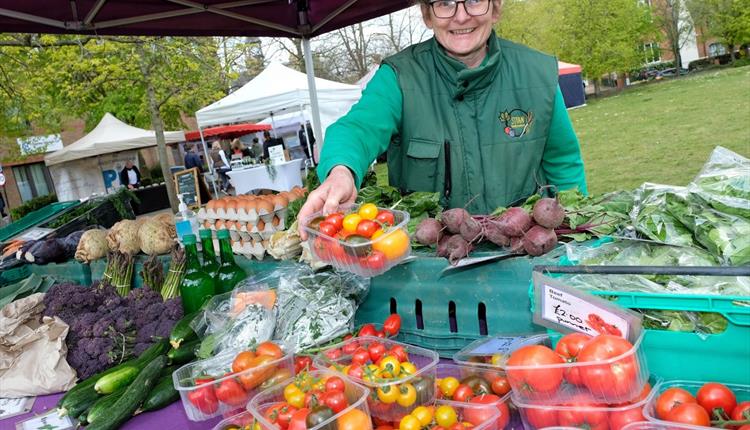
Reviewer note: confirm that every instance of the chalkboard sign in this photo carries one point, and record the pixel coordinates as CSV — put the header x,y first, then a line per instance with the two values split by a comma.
x,y
186,183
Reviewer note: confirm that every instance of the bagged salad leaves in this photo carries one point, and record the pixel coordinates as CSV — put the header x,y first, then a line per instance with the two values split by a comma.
x,y
651,218
724,183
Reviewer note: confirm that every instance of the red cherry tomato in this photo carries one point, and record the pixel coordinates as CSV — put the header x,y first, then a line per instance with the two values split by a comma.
x,y
386,217
302,362
713,396
327,228
463,393
336,219
399,352
392,324
298,419
622,417
376,351
334,383
336,400
478,416
741,412
375,261
367,330
689,413
349,348
333,354
671,398
360,356
367,227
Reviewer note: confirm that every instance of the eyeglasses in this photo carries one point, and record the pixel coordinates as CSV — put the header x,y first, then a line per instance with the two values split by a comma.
x,y
448,8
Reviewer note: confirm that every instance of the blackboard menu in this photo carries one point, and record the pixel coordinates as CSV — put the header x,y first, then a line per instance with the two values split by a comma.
x,y
186,183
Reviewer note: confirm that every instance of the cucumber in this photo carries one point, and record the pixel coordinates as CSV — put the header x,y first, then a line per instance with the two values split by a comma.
x,y
161,396
182,332
167,371
78,402
102,406
108,384
132,398
185,353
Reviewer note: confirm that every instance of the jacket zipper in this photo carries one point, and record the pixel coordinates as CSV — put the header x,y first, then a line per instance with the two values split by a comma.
x,y
448,185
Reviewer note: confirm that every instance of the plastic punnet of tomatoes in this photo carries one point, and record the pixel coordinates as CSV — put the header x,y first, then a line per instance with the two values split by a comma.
x,y
650,425
696,405
583,412
318,400
605,368
493,352
401,377
362,239
475,386
451,415
225,383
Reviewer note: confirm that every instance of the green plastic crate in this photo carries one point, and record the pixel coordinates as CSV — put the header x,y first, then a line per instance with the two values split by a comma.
x,y
447,312
10,276
70,271
34,218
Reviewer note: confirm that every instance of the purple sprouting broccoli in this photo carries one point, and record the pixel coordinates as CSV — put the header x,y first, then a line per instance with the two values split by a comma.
x,y
173,309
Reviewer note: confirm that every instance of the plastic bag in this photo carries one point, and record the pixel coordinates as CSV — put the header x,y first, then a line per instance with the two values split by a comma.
x,y
724,183
650,217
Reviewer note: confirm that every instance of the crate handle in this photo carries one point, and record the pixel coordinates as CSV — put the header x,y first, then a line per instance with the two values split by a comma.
x,y
647,270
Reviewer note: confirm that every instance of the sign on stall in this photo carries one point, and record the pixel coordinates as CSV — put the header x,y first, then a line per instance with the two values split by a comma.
x,y
186,184
49,421
39,144
12,407
276,154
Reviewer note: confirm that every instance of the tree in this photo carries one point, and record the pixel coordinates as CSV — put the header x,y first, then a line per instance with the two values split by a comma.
x,y
534,23
728,20
676,24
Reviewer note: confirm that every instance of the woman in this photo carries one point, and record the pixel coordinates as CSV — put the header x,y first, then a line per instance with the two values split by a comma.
x,y
467,114
220,163
239,150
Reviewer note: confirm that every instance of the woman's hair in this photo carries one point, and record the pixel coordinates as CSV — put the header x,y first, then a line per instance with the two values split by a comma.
x,y
216,145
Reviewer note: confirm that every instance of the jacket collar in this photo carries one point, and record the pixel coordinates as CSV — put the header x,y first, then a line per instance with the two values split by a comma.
x,y
462,79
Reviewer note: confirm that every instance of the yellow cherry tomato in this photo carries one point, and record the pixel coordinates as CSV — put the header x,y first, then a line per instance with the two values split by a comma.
x,y
410,422
408,368
296,399
423,414
446,416
448,386
390,365
379,232
290,389
388,394
368,211
351,222
407,395
393,244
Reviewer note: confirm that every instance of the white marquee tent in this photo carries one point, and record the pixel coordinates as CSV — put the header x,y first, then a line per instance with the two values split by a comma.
x,y
90,165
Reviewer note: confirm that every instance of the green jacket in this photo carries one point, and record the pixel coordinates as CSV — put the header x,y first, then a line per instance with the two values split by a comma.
x,y
487,136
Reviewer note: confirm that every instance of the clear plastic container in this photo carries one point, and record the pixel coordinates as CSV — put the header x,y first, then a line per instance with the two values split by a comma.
x,y
493,351
462,372
581,413
549,384
742,392
354,257
356,396
201,401
423,380
482,417
650,425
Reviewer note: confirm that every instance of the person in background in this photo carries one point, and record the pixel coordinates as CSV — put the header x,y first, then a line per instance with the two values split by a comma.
x,y
130,176
193,160
2,206
304,131
220,164
239,150
256,148
477,118
269,141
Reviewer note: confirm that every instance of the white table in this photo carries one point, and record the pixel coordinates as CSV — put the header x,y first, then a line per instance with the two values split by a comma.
x,y
288,175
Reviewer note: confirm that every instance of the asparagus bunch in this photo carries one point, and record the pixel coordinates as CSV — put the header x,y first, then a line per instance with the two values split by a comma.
x,y
171,286
153,273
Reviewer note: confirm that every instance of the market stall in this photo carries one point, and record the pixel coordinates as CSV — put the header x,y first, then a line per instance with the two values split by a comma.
x,y
277,177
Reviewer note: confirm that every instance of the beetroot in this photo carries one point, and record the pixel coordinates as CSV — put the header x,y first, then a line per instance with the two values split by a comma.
x,y
493,234
428,231
442,248
514,222
453,218
539,240
471,230
457,248
548,212
516,245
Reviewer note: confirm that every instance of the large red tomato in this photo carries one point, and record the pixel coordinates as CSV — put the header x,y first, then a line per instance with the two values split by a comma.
x,y
583,413
541,417
620,418
741,412
714,396
477,416
569,347
689,413
614,378
535,377
670,398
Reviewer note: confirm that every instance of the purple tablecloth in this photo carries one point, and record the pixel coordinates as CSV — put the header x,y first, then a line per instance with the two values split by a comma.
x,y
170,418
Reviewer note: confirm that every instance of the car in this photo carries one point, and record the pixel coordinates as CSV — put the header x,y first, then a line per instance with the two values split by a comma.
x,y
671,72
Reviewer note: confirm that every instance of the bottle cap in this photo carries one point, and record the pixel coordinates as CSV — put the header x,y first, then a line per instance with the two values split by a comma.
x,y
204,233
222,234
188,239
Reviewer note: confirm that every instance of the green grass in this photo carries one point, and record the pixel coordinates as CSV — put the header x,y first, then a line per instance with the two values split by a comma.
x,y
659,132
663,132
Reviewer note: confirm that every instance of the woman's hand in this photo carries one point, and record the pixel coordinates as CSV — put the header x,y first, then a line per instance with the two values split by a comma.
x,y
337,189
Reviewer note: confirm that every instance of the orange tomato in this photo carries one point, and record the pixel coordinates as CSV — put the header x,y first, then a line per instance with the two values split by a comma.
x,y
354,420
393,244
258,372
243,361
269,348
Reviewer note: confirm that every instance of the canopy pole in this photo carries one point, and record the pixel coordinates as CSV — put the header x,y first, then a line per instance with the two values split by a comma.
x,y
309,68
307,136
209,162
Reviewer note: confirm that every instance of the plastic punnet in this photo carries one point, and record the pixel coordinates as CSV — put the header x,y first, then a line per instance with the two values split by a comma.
x,y
352,257
423,380
482,417
355,394
493,352
523,378
219,368
581,413
651,425
742,392
461,372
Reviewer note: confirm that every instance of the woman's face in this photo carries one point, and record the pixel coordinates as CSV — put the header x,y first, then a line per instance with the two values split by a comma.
x,y
462,35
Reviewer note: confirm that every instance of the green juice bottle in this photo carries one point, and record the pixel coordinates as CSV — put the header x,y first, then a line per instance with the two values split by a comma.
x,y
230,273
210,262
197,285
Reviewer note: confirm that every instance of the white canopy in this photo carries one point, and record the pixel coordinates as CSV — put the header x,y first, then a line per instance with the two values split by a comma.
x,y
110,135
278,90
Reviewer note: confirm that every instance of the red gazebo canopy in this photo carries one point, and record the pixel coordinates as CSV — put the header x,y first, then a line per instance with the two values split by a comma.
x,y
227,131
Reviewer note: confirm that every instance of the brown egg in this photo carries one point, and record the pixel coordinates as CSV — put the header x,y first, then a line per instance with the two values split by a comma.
x,y
229,224
264,205
275,221
211,204
219,225
220,204
292,197
206,224
250,205
279,200
231,204
261,225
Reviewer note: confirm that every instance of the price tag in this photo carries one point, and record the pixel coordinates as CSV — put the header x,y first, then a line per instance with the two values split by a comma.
x,y
49,421
36,233
496,345
566,309
12,407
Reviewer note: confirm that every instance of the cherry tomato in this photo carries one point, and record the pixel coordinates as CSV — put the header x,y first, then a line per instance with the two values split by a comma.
x,y
670,398
543,380
335,384
259,372
387,394
408,368
337,219
380,334
410,422
356,371
350,347
477,416
741,412
336,400
713,396
569,347
351,222
327,228
243,361
302,362
613,378
394,244
399,352
280,414
392,324
376,351
386,218
375,261
500,385
407,395
360,356
321,248
423,414
448,386
463,393
366,228
390,365
333,353
204,398
368,211
445,416
689,413
367,330
299,418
